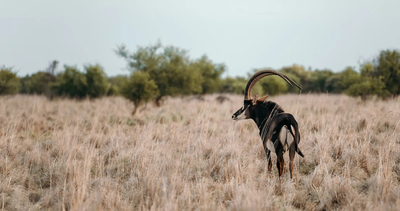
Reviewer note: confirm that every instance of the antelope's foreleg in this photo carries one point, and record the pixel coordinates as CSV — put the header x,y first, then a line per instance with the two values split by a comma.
x,y
268,153
269,161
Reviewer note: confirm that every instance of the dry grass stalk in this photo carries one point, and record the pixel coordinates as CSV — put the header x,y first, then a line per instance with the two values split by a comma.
x,y
93,155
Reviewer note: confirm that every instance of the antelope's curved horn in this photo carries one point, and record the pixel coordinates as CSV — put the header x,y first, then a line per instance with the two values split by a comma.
x,y
261,74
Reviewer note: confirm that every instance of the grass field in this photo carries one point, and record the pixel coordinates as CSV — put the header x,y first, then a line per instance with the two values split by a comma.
x,y
190,155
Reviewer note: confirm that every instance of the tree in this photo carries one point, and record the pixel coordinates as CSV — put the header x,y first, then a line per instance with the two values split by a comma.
x,y
96,81
380,77
387,67
303,77
273,85
347,78
51,69
234,85
139,89
339,82
364,85
9,81
75,84
116,84
149,60
319,80
169,67
25,84
38,83
71,83
211,74
178,77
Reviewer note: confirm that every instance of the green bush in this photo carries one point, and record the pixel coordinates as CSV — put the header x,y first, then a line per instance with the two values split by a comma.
x,y
233,85
9,81
305,78
339,82
139,89
368,86
319,80
38,83
211,74
273,85
366,83
172,70
71,83
75,84
386,67
112,90
96,81
116,83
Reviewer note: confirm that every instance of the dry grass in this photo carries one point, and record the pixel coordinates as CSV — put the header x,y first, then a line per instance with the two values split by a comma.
x,y
93,155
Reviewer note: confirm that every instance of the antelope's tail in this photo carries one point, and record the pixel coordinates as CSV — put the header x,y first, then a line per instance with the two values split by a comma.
x,y
296,136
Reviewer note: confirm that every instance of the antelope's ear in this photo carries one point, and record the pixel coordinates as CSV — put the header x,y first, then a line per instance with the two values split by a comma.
x,y
255,97
262,99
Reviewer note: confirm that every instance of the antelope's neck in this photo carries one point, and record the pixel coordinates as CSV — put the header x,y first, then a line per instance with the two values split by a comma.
x,y
263,111
261,116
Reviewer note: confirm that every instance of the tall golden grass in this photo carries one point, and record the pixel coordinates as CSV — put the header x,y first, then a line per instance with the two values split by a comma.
x,y
190,155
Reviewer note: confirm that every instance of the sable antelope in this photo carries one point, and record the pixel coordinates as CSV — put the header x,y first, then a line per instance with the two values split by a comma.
x,y
278,130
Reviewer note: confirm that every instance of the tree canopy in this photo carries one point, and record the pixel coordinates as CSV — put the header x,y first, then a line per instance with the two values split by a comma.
x,y
139,88
157,71
9,81
173,72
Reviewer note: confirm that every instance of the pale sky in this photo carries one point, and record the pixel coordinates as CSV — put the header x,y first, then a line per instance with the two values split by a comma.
x,y
255,34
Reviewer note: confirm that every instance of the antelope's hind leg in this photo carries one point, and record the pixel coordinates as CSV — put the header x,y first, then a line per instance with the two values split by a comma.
x,y
292,153
268,153
280,162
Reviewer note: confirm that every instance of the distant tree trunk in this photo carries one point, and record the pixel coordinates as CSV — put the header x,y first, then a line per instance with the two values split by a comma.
x,y
363,97
51,78
158,101
49,93
52,67
134,110
143,107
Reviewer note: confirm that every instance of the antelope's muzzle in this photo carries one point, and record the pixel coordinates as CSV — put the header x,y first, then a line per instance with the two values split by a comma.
x,y
238,115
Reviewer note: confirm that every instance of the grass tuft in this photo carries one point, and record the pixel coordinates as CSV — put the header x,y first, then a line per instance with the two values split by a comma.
x,y
190,155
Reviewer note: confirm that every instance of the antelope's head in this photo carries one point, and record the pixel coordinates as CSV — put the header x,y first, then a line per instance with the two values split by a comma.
x,y
246,112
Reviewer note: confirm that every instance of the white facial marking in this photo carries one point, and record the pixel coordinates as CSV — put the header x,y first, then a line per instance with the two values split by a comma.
x,y
240,116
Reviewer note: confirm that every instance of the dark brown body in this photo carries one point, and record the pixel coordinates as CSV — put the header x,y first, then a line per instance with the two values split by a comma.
x,y
276,127
278,122
270,119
